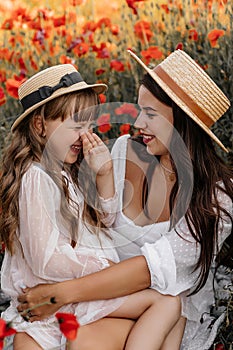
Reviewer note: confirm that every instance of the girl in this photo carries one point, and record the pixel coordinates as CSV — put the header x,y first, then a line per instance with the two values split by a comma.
x,y
177,210
56,190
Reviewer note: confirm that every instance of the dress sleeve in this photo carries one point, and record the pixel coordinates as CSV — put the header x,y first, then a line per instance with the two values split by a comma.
x,y
43,236
112,206
109,207
173,257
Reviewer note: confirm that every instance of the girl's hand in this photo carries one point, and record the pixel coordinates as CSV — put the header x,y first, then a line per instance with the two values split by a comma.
x,y
96,154
39,302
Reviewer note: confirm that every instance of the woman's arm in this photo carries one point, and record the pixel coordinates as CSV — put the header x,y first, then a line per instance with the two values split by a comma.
x,y
124,278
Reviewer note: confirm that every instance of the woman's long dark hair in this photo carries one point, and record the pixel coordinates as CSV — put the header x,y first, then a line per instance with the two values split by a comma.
x,y
203,210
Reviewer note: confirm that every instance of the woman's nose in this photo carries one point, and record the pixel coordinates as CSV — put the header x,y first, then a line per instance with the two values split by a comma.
x,y
140,122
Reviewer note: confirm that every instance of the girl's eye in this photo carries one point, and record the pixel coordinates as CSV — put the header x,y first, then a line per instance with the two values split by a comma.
x,y
77,128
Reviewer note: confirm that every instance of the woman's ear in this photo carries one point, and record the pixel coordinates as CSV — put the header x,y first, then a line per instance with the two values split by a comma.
x,y
39,125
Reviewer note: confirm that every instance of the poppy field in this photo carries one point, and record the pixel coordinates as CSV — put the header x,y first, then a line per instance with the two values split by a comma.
x,y
94,36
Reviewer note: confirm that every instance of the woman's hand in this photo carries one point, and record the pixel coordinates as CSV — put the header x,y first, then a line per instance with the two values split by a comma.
x,y
41,301
96,154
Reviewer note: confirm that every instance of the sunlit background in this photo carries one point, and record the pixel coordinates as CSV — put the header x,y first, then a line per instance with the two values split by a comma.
x,y
94,36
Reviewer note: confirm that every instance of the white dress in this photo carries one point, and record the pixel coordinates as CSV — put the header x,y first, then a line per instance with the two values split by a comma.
x,y
171,259
48,256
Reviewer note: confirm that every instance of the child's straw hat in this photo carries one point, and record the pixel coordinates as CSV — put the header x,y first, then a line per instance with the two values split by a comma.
x,y
190,87
49,84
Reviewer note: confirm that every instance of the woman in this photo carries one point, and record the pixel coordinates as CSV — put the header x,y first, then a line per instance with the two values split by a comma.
x,y
176,211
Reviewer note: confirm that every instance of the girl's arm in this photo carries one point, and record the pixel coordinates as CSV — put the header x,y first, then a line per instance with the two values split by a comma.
x,y
124,278
99,159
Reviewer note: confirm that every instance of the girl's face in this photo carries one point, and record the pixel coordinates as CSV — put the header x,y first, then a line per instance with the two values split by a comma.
x,y
155,122
63,138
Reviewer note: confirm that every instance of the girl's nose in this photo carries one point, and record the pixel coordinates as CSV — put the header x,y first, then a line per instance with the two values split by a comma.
x,y
140,122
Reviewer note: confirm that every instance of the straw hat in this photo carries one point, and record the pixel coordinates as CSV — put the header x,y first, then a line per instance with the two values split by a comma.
x,y
188,85
49,84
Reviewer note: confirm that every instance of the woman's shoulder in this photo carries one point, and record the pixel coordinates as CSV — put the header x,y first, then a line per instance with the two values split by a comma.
x,y
222,195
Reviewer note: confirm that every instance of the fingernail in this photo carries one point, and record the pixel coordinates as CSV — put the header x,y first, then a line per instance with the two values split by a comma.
x,y
22,286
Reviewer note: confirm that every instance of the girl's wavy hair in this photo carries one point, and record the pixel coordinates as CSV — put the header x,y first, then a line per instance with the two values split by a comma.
x,y
201,207
26,146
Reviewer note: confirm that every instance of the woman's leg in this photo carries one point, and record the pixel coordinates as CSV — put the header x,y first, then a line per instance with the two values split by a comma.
x,y
174,338
23,341
104,334
157,315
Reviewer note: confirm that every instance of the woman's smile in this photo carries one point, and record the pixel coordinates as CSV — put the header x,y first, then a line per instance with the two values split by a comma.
x,y
147,138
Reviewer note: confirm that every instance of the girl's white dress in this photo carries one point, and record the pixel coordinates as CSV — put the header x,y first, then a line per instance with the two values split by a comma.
x,y
47,255
171,257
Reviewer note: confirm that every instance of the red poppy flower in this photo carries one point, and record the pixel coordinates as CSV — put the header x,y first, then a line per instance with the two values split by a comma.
x,y
102,98
65,59
35,24
102,51
6,54
5,331
165,8
117,65
2,76
124,129
152,52
103,123
99,71
179,46
142,30
2,97
22,13
81,49
22,64
12,86
59,21
68,325
214,35
8,24
193,34
127,108
89,26
106,22
219,347
33,64
132,5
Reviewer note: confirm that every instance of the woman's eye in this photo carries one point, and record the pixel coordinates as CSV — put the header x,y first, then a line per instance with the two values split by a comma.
x,y
150,115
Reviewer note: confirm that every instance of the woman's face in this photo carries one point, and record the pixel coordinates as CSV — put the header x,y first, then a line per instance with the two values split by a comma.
x,y
155,122
64,138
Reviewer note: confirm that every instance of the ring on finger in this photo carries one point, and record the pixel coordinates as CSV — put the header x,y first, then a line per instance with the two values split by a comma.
x,y
26,318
